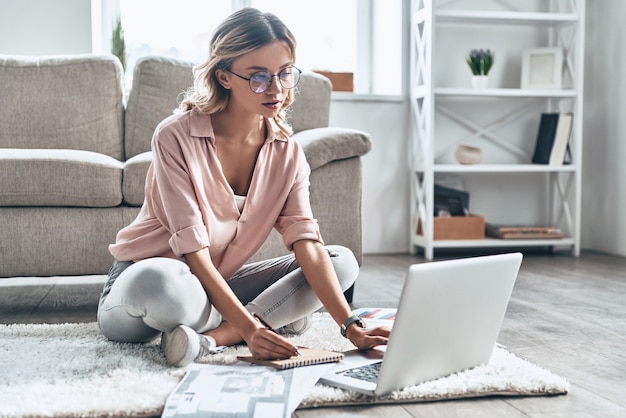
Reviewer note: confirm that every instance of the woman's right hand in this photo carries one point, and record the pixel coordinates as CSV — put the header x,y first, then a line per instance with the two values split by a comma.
x,y
266,344
263,342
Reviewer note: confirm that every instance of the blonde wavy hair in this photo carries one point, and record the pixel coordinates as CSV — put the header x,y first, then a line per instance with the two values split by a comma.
x,y
242,32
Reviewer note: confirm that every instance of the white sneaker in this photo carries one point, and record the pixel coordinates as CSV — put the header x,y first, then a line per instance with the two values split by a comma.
x,y
183,345
297,327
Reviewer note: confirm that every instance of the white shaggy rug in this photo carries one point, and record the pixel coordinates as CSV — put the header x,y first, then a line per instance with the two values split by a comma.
x,y
70,370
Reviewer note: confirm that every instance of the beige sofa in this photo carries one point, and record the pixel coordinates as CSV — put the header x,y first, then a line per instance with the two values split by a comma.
x,y
74,155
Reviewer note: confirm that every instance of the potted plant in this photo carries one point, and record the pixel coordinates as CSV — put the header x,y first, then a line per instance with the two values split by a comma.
x,y
480,62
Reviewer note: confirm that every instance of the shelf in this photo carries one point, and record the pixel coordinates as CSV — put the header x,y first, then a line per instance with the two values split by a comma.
x,y
499,168
421,91
504,17
452,91
450,112
494,242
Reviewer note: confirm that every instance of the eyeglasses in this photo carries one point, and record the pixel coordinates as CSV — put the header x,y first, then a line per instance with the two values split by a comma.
x,y
262,80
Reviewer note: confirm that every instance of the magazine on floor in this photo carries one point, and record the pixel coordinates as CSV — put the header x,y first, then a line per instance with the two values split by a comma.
x,y
241,390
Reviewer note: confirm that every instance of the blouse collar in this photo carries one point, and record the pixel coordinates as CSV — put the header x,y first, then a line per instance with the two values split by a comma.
x,y
200,126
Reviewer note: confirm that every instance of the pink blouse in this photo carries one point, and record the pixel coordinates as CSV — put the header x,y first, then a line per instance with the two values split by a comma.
x,y
189,204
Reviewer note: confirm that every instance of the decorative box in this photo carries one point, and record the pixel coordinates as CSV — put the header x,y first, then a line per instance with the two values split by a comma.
x,y
457,227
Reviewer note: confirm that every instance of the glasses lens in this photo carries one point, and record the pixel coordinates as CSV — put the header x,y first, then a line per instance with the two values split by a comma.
x,y
259,82
289,77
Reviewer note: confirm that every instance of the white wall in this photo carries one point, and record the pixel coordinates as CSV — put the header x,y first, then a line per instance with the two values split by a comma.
x,y
42,27
604,161
385,171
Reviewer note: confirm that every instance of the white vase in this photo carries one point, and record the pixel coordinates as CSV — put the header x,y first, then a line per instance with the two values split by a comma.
x,y
480,81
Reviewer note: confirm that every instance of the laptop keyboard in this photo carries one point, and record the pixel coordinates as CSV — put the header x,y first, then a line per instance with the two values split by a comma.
x,y
367,372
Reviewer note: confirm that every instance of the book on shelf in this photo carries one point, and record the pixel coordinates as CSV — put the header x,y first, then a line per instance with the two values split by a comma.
x,y
522,231
552,146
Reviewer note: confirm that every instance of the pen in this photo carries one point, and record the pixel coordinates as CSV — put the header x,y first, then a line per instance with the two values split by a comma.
x,y
269,327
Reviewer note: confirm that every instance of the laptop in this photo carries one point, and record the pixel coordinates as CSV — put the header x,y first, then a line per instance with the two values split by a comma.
x,y
448,320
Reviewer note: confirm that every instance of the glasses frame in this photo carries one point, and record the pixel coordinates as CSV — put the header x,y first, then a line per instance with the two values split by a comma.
x,y
249,79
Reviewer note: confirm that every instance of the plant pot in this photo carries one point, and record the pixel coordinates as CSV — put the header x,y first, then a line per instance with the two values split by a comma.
x,y
480,81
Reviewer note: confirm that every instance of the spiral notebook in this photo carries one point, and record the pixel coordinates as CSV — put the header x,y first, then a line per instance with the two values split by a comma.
x,y
308,357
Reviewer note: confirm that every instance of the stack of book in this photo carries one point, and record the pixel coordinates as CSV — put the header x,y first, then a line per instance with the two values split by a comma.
x,y
522,232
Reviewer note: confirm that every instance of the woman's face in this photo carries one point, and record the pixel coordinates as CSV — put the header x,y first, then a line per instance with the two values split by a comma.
x,y
271,58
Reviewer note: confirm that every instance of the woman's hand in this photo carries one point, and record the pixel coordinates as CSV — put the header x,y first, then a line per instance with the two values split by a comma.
x,y
366,338
266,344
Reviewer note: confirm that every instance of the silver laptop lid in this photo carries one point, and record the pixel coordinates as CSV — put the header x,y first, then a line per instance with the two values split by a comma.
x,y
448,320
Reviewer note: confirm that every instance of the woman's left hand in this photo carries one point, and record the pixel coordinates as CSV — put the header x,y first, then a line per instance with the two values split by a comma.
x,y
366,338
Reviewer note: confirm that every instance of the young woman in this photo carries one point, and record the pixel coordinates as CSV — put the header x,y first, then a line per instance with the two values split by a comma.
x,y
224,173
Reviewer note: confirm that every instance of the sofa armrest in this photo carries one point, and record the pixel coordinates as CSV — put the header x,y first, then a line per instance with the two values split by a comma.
x,y
324,145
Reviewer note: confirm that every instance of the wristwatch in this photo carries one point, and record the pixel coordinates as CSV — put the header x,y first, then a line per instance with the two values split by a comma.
x,y
354,319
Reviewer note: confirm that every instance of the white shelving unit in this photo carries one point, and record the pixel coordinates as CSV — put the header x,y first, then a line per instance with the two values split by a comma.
x,y
501,119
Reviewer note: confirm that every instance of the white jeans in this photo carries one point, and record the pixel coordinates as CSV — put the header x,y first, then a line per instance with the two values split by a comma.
x,y
141,300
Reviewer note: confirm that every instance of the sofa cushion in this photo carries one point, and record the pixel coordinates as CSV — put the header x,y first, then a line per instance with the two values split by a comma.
x,y
42,177
158,87
135,171
62,102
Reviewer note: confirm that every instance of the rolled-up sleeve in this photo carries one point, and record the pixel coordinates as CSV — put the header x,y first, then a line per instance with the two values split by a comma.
x,y
189,240
178,210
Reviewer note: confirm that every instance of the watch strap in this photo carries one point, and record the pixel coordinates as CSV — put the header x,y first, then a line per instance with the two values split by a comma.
x,y
351,320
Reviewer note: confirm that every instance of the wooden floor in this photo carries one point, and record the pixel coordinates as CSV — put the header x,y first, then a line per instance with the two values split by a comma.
x,y
566,314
